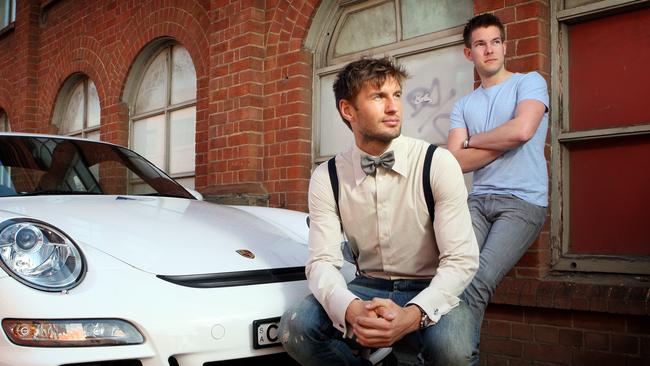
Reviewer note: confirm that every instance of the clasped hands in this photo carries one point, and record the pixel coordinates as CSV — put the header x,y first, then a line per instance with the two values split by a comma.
x,y
381,322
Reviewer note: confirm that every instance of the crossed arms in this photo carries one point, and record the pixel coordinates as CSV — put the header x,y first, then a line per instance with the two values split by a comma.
x,y
487,146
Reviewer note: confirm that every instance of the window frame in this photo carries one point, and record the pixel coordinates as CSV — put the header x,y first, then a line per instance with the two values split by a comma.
x,y
561,136
325,64
4,121
9,16
166,110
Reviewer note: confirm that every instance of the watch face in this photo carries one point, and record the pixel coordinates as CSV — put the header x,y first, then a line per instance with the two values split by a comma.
x,y
425,321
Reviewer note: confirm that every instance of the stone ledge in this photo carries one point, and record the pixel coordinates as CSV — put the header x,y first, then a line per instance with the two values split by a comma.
x,y
241,199
246,194
572,295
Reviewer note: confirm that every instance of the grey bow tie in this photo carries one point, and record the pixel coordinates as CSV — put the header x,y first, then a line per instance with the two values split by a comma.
x,y
369,164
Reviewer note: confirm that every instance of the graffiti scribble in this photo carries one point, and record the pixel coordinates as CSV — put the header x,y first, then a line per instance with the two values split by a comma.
x,y
430,102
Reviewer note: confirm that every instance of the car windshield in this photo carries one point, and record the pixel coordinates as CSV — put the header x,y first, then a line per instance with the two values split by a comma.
x,y
40,165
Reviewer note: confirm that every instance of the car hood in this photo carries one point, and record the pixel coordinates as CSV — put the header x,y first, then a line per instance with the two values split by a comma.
x,y
172,236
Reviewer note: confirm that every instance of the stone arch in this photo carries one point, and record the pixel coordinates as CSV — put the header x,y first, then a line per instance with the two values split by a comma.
x,y
82,55
186,23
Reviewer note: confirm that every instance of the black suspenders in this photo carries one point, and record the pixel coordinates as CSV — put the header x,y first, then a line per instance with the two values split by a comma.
x,y
426,188
426,181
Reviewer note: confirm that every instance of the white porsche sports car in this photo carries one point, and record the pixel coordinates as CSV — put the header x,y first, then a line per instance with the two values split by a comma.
x,y
106,261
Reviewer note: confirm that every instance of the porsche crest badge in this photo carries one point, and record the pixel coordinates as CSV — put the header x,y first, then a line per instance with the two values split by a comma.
x,y
246,253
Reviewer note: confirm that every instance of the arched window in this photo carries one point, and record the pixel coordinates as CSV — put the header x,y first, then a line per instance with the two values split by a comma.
x,y
4,121
163,113
425,36
77,112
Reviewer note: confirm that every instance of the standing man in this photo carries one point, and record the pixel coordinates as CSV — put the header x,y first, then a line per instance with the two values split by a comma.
x,y
498,132
410,270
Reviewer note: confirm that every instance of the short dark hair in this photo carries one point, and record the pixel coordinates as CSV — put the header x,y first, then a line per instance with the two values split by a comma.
x,y
354,75
482,21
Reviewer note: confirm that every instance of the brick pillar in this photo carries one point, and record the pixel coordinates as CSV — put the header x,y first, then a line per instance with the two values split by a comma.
x,y
25,117
235,131
287,112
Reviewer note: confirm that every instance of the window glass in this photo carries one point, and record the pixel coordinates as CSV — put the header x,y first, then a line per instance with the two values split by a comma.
x,y
151,94
186,182
183,76
93,105
93,135
181,143
149,139
335,136
4,122
442,76
4,13
81,111
73,118
426,16
365,29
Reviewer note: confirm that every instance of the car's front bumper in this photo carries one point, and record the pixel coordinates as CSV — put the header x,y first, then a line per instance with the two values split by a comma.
x,y
192,325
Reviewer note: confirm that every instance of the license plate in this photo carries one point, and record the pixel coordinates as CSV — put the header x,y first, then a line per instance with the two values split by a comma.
x,y
265,332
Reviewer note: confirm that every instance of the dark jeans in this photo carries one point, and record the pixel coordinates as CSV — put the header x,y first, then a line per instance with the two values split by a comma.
x,y
308,335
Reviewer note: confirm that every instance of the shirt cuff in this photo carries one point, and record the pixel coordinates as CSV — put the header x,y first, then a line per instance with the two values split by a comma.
x,y
435,303
338,303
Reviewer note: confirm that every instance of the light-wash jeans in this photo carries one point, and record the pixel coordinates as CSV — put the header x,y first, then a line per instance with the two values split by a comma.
x,y
505,226
308,335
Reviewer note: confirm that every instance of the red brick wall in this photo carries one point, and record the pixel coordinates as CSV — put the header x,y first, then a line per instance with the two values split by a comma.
x,y
260,116
287,105
19,62
513,335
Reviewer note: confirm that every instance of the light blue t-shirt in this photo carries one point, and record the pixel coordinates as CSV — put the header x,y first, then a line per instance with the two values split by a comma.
x,y
522,170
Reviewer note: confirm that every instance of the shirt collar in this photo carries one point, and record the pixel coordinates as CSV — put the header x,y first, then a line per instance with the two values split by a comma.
x,y
399,147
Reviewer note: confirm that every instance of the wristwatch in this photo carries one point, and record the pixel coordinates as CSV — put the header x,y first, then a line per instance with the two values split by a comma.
x,y
425,321
466,142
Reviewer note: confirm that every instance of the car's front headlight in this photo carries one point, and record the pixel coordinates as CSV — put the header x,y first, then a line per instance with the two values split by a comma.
x,y
40,255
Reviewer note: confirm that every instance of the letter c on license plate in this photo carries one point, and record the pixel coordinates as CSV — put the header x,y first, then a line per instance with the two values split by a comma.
x,y
266,332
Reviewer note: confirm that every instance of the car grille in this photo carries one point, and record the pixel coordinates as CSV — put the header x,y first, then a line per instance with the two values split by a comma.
x,y
108,363
239,278
274,359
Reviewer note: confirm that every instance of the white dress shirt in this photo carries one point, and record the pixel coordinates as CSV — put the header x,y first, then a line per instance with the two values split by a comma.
x,y
387,224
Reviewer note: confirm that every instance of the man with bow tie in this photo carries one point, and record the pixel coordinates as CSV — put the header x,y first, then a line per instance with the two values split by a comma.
x,y
411,266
